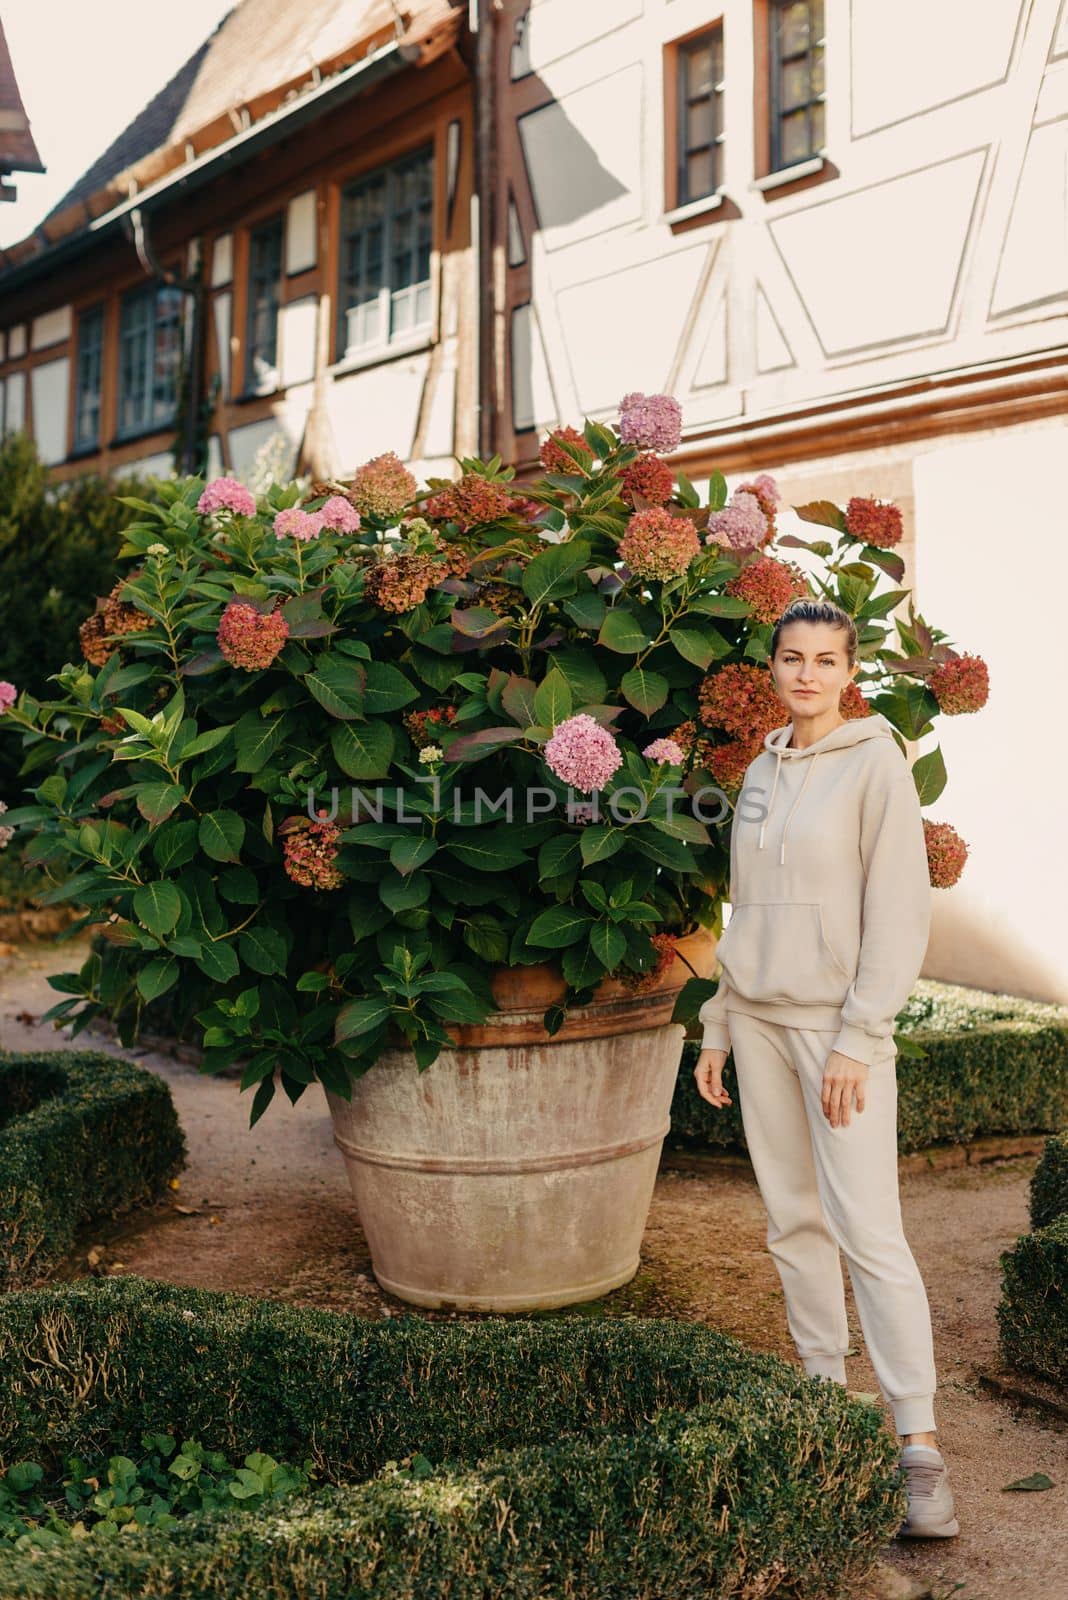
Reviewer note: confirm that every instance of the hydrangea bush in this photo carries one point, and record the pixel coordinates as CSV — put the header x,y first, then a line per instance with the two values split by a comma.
x,y
334,757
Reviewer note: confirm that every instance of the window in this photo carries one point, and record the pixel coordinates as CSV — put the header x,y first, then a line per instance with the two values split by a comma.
x,y
699,140
264,279
87,380
797,85
150,348
384,291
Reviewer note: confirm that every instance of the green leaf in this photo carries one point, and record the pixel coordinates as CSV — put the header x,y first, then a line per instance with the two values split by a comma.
x,y
221,835
239,885
156,801
717,490
387,689
689,829
823,512
555,572
159,976
264,950
338,685
620,632
361,1017
661,848
407,854
218,961
929,776
553,701
486,937
517,699
206,741
364,750
646,691
558,926
599,840
256,738
694,645
558,855
586,610
487,852
175,844
608,943
157,907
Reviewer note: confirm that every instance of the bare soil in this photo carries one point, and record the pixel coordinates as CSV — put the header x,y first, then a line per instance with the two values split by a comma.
x,y
268,1211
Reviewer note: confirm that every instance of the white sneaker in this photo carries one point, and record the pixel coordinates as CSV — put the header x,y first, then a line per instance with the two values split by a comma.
x,y
931,1510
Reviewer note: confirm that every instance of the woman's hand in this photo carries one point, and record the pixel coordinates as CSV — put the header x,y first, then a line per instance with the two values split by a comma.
x,y
842,1078
708,1074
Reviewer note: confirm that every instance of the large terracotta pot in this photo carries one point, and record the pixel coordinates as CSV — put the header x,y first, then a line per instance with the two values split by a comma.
x,y
517,1171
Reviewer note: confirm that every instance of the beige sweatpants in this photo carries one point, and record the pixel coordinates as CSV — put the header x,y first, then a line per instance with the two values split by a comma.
x,y
828,1189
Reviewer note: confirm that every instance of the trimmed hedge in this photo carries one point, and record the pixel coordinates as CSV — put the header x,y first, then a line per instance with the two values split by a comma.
x,y
608,1458
84,1137
1049,1182
1033,1312
991,1064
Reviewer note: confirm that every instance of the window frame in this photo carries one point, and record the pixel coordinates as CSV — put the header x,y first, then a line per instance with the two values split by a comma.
x,y
776,61
97,315
419,332
271,381
685,48
155,294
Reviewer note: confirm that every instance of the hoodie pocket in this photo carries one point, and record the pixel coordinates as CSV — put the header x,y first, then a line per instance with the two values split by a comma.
x,y
777,950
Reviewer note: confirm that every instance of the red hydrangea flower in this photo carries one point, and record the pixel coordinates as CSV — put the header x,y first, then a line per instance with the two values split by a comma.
x,y
470,501
960,684
876,522
658,546
768,586
650,478
946,853
251,639
309,852
553,459
742,700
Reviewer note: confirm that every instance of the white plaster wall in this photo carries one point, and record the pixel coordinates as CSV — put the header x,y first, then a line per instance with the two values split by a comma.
x,y
50,382
991,553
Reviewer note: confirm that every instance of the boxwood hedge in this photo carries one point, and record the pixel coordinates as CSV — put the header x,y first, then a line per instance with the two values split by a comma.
x,y
970,1064
1033,1312
564,1456
84,1136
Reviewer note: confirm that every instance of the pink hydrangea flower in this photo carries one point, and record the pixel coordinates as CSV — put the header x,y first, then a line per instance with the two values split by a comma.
x,y
338,514
298,524
8,695
742,524
309,853
251,639
665,750
226,494
650,421
582,753
383,487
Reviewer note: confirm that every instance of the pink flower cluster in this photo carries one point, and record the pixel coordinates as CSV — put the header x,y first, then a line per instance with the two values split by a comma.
x,y
383,487
582,753
251,639
8,695
309,853
741,525
658,546
339,515
668,750
946,853
470,501
768,586
960,684
650,421
226,494
297,524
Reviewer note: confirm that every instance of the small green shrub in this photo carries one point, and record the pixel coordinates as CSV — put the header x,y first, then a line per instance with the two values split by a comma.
x,y
1033,1312
84,1137
507,1457
168,1481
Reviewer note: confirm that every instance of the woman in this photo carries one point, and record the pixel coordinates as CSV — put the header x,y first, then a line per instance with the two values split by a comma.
x,y
830,916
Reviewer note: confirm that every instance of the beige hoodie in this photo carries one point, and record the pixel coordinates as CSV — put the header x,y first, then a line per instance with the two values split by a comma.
x,y
830,890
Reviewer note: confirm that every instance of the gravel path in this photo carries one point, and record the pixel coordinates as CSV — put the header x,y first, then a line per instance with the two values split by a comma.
x,y
268,1211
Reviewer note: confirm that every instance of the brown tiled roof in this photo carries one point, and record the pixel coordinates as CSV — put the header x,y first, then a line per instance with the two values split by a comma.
x,y
18,153
261,54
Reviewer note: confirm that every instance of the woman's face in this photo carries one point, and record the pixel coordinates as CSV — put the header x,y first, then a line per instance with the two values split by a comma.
x,y
810,668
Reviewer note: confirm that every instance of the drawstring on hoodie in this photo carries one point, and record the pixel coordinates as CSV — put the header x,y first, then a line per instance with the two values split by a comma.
x,y
808,773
